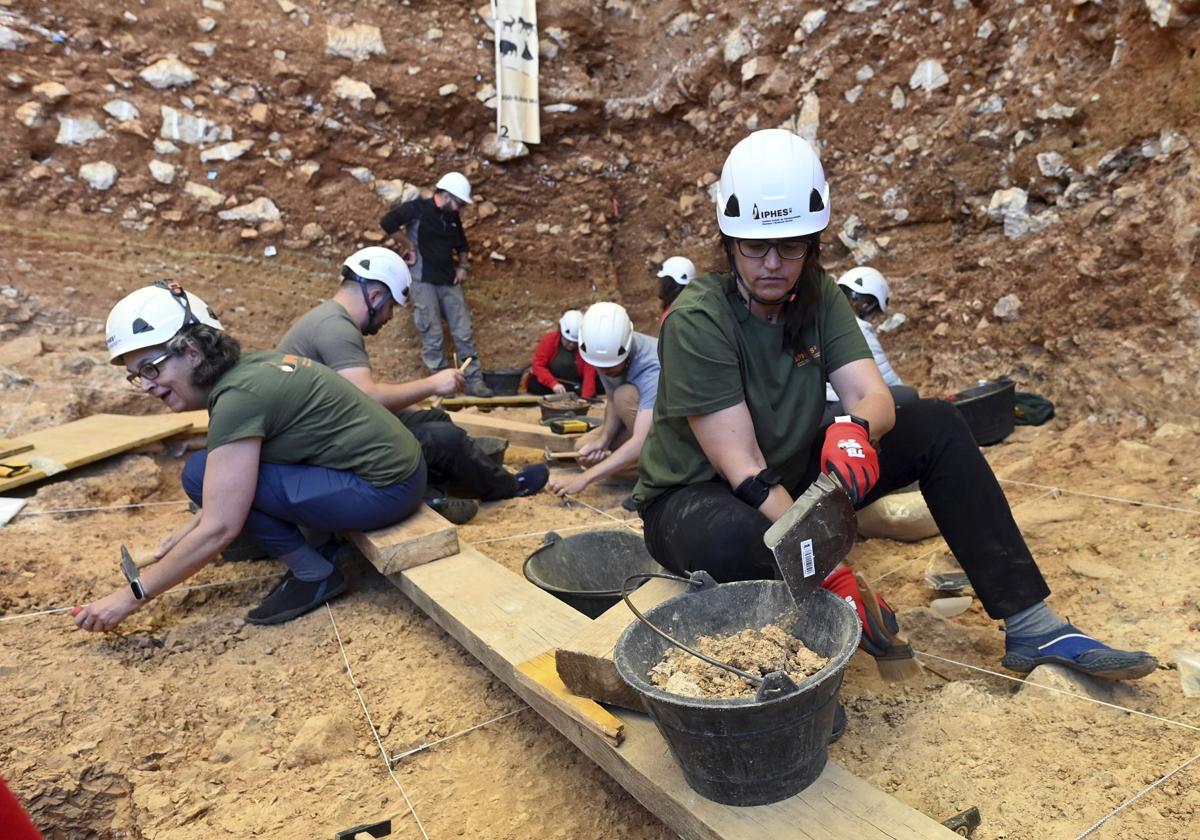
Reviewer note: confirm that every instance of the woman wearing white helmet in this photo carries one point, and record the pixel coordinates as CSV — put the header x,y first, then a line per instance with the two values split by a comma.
x,y
290,444
737,435
673,278
626,362
557,364
867,291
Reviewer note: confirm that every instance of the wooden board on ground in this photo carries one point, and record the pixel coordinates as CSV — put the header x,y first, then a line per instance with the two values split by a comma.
x,y
585,661
543,675
198,419
504,620
453,403
423,537
90,439
518,433
12,447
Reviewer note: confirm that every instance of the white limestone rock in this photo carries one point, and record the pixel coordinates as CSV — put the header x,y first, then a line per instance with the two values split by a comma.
x,y
99,175
121,110
168,72
162,171
182,127
75,131
355,92
226,151
208,198
928,76
357,42
259,210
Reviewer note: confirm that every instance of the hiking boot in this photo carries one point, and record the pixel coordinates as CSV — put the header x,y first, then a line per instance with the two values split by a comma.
x,y
629,504
532,479
458,511
1072,648
293,597
479,388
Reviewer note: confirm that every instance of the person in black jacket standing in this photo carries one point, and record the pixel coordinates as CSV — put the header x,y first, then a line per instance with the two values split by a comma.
x,y
439,261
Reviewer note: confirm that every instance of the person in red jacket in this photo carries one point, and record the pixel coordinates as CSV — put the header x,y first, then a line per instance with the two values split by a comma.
x,y
557,365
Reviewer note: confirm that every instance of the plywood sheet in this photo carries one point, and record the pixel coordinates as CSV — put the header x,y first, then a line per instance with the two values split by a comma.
x,y
90,439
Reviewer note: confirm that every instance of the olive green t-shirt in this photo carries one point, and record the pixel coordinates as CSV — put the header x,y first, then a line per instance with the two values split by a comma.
x,y
307,414
327,334
715,354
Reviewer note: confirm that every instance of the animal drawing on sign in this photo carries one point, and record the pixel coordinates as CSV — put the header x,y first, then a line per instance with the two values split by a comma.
x,y
507,24
507,47
526,26
527,55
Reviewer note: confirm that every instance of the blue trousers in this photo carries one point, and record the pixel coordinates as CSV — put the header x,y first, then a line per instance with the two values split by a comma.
x,y
290,495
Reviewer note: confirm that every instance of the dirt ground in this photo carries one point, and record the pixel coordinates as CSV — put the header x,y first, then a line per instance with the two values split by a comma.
x,y
190,723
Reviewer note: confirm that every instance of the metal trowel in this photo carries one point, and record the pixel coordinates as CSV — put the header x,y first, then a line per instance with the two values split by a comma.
x,y
813,536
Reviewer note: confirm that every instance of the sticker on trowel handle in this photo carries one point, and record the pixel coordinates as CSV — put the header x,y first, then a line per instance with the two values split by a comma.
x,y
808,558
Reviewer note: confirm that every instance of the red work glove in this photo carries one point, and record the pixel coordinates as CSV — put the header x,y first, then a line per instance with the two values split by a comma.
x,y
878,618
849,456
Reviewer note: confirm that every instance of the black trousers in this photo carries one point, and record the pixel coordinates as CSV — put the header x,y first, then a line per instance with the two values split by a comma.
x,y
453,459
704,526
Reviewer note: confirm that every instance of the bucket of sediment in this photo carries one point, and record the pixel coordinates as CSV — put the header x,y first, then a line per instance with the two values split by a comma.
x,y
759,746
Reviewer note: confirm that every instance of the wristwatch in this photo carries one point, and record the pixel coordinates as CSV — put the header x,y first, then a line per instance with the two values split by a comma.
x,y
850,418
132,574
755,489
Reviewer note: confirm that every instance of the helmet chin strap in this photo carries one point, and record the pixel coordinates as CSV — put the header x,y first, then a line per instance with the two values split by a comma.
x,y
371,327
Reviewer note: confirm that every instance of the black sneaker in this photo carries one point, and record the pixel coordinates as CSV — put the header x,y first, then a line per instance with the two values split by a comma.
x,y
293,597
531,479
479,389
458,511
629,504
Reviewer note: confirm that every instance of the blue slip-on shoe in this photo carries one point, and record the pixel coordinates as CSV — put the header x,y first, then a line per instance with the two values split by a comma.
x,y
1072,648
532,479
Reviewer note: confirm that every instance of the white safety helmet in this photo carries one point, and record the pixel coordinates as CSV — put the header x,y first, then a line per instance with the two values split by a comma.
x,y
152,316
569,323
867,281
606,335
456,184
772,187
382,265
679,269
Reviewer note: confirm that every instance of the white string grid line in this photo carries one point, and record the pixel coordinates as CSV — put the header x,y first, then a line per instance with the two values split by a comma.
x,y
1136,797
1134,502
21,410
178,590
459,734
942,546
625,522
375,732
53,511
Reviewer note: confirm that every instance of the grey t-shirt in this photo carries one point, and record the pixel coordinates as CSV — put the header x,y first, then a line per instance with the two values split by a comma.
x,y
327,335
641,373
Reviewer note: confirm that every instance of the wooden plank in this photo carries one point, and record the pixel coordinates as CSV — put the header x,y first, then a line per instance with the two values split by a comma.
x,y
585,661
453,403
198,419
90,439
504,620
543,677
423,537
10,446
518,433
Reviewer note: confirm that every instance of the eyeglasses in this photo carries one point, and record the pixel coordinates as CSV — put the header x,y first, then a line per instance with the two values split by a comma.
x,y
149,370
787,249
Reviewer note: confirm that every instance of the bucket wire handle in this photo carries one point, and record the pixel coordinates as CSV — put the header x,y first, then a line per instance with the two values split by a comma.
x,y
746,675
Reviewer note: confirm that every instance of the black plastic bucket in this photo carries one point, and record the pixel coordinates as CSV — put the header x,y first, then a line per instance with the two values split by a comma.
x,y
552,409
503,381
988,410
585,571
745,751
493,447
